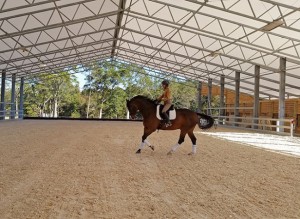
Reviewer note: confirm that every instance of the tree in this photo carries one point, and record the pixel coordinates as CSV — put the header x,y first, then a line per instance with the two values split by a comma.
x,y
184,94
139,82
115,107
46,93
103,79
108,85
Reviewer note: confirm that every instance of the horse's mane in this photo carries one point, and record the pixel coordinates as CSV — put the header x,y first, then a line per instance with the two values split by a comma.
x,y
144,98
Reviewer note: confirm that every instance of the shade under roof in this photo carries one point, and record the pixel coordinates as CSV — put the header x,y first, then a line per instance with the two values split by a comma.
x,y
196,39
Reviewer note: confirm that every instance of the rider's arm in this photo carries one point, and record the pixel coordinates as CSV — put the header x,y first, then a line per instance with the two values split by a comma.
x,y
160,98
167,95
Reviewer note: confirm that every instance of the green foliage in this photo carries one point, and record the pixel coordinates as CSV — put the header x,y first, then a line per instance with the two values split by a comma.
x,y
116,106
184,94
100,87
214,103
108,85
51,95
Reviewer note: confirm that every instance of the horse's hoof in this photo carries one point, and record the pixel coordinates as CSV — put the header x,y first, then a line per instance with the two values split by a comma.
x,y
138,151
152,147
170,152
191,153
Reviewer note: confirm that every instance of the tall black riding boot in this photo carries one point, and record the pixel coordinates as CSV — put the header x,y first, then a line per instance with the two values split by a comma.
x,y
166,117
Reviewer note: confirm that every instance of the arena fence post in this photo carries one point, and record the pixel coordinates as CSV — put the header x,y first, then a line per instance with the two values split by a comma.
x,y
2,100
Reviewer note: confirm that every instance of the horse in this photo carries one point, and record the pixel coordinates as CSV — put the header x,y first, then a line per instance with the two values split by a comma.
x,y
185,120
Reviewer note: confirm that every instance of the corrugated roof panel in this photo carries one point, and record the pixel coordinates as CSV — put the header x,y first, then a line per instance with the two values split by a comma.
x,y
200,38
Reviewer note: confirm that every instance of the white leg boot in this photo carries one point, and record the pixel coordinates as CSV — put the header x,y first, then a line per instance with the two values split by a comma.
x,y
174,148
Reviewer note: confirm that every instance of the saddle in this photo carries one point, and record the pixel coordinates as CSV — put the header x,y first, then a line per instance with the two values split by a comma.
x,y
171,112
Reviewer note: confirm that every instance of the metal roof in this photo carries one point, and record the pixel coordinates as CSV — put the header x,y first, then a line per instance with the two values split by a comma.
x,y
197,39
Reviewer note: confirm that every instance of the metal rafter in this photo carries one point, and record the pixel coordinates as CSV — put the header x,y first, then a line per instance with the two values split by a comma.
x,y
59,59
53,26
128,58
204,70
161,34
294,9
266,50
122,4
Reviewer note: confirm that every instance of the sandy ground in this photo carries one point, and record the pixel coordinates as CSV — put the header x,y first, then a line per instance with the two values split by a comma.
x,y
89,169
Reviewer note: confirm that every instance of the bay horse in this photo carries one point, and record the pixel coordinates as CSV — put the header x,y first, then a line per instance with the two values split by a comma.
x,y
185,120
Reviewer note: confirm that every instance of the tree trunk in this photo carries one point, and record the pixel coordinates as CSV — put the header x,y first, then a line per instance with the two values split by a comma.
x,y
100,113
101,110
127,115
55,114
51,112
88,106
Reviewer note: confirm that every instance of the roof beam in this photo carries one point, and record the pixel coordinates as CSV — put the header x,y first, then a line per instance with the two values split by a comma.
x,y
122,4
58,25
226,76
192,58
206,62
57,40
60,50
222,38
203,49
195,78
164,61
26,6
233,22
205,70
236,13
41,10
281,5
36,64
62,67
86,45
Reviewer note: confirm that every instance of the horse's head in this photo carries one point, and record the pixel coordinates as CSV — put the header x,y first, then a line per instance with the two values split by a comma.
x,y
132,108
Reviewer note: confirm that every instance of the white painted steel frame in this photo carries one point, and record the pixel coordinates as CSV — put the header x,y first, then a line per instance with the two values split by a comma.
x,y
175,37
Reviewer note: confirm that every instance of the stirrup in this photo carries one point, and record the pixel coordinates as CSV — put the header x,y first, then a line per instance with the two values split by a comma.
x,y
167,124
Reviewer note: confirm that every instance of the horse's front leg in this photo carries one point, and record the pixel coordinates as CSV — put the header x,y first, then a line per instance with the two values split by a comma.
x,y
149,144
147,132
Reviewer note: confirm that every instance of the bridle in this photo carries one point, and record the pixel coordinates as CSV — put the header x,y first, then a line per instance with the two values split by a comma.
x,y
135,108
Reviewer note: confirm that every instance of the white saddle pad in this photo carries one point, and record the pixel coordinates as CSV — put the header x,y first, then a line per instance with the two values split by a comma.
x,y
172,114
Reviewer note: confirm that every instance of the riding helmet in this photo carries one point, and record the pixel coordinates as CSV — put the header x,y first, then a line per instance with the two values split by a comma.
x,y
165,82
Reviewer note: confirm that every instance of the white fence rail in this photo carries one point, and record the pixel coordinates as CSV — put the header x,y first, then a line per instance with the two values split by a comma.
x,y
260,123
11,113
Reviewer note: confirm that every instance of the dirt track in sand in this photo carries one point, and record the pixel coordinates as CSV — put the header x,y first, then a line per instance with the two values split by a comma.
x,y
89,169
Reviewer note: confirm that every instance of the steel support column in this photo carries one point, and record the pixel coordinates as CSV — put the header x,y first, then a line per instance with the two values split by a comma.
x,y
281,105
237,96
2,100
199,100
256,95
21,104
222,93
209,96
13,97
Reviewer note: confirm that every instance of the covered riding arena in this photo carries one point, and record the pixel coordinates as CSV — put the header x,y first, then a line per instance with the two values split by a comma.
x,y
89,169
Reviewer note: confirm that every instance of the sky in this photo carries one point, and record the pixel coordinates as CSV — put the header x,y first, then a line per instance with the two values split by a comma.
x,y
81,78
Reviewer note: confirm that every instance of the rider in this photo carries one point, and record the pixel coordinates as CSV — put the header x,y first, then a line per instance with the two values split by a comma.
x,y
166,97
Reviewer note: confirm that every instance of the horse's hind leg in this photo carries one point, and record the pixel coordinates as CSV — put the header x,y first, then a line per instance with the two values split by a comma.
x,y
180,141
193,139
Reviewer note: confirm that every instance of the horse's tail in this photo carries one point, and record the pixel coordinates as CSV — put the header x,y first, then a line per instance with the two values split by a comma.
x,y
205,121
